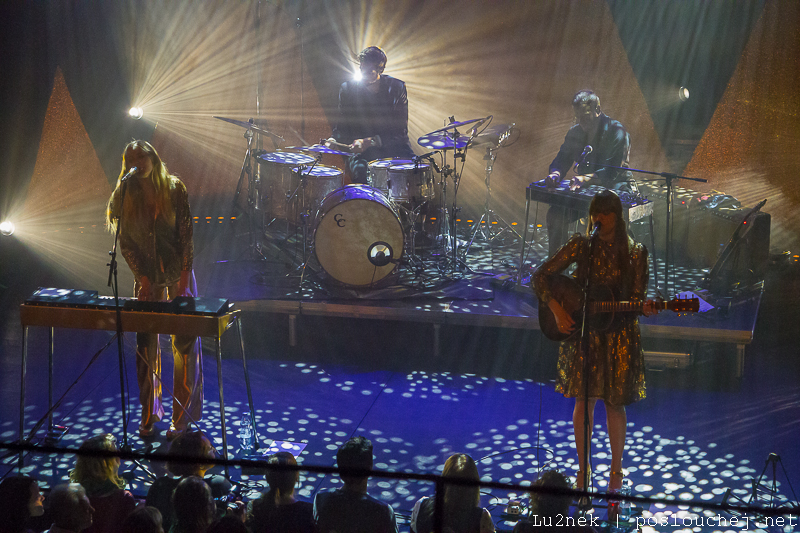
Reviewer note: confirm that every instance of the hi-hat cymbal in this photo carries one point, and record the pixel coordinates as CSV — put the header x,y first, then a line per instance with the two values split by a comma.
x,y
319,149
250,126
459,124
493,135
442,141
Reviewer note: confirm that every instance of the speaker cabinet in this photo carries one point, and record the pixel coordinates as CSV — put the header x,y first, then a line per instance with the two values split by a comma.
x,y
685,203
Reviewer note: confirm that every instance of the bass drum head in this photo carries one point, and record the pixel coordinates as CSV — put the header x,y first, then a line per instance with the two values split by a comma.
x,y
349,222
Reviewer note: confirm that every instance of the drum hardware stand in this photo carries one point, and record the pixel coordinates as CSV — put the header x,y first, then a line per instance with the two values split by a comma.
x,y
449,230
252,210
773,459
448,218
411,247
770,490
488,213
301,202
451,242
256,221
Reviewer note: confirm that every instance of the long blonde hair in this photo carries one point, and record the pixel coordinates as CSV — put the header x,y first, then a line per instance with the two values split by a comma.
x,y
97,469
159,176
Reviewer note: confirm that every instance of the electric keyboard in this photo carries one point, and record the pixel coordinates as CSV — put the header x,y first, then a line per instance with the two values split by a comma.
x,y
81,309
634,206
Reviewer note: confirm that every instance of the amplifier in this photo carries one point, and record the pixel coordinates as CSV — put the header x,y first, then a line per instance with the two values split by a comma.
x,y
714,229
685,202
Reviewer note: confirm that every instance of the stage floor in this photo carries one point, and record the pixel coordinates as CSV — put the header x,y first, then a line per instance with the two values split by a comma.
x,y
368,367
478,286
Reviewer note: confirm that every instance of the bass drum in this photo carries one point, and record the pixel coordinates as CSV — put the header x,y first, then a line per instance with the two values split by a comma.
x,y
353,222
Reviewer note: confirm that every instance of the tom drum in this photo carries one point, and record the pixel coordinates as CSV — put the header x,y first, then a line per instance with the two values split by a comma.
x,y
320,180
277,179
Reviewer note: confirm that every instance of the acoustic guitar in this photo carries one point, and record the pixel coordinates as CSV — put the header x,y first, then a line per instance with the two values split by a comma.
x,y
601,307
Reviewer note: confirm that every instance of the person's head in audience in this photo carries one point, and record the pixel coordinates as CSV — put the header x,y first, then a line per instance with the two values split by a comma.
x,y
356,453
70,507
143,520
461,466
191,444
550,505
281,482
227,524
193,505
91,471
20,500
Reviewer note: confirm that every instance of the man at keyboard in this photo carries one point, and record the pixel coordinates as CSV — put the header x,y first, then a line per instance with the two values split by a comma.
x,y
594,144
156,241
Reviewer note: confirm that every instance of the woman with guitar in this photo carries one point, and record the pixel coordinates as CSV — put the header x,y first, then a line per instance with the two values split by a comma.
x,y
618,266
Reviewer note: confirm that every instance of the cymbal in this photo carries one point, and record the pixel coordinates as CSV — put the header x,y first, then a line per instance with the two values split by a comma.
x,y
492,135
319,149
442,141
459,124
250,126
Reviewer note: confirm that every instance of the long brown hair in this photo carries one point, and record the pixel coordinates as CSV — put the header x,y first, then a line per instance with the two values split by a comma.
x,y
461,466
607,201
159,176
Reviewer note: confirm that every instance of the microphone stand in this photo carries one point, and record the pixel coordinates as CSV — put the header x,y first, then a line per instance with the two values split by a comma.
x,y
583,345
113,282
669,177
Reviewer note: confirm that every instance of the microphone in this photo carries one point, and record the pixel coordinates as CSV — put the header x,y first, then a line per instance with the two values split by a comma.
x,y
426,156
596,230
130,173
429,157
380,254
582,158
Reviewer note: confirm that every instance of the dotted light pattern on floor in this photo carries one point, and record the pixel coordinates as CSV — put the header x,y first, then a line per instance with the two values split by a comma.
x,y
659,464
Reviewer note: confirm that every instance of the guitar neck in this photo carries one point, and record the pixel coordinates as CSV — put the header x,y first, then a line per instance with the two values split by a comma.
x,y
622,307
679,305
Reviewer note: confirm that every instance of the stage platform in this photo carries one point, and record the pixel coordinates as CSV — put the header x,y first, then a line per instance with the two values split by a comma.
x,y
483,290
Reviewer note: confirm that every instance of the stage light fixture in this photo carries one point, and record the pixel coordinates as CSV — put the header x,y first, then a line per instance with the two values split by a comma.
x,y
7,228
357,75
683,94
136,112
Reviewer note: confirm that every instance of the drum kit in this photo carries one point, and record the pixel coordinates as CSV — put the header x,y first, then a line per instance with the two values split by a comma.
x,y
361,234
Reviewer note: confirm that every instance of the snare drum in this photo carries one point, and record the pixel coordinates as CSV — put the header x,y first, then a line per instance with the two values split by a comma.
x,y
379,172
319,182
410,182
351,222
277,181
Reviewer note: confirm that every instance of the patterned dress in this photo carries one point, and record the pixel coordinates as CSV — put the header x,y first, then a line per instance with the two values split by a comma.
x,y
160,247
616,361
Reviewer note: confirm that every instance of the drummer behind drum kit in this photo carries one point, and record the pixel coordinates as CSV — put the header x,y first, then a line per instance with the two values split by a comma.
x,y
359,233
